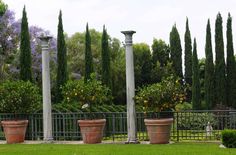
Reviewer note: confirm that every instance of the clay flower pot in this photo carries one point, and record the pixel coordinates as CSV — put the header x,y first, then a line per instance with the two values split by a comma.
x,y
159,130
92,130
14,130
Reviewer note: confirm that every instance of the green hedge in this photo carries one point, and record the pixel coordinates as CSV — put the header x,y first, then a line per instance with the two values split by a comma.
x,y
229,138
196,121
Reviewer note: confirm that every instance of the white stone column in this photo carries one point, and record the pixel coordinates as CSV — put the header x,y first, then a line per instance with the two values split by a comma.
x,y
130,88
47,110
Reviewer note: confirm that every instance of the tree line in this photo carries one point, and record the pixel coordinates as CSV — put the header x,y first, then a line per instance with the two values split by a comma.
x,y
96,52
219,75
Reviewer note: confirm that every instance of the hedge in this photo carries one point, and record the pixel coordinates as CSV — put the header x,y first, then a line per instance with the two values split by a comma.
x,y
229,138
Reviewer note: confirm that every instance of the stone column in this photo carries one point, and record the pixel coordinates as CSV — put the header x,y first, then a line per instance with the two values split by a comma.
x,y
47,110
130,88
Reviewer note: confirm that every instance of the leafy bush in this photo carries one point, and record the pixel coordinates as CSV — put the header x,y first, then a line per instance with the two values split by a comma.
x,y
92,93
195,121
183,106
161,96
19,97
229,138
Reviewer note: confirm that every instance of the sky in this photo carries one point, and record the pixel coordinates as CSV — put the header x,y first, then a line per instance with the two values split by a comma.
x,y
149,18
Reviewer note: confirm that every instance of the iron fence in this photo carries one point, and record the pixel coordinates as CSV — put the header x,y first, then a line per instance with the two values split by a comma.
x,y
187,125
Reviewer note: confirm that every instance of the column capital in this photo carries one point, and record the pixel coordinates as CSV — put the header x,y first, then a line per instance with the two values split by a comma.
x,y
128,36
44,40
129,32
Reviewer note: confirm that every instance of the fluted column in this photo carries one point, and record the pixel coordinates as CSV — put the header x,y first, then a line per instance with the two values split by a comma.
x,y
130,88
47,110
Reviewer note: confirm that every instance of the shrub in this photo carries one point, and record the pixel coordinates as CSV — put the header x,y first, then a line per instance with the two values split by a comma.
x,y
92,93
195,121
161,96
183,106
19,97
229,138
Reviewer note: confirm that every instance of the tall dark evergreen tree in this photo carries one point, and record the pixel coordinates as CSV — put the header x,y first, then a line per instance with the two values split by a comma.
x,y
196,90
88,55
106,66
176,51
25,50
62,75
188,60
209,70
188,56
220,90
231,68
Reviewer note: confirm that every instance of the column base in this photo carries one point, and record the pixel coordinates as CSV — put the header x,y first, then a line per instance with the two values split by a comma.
x,y
132,142
48,140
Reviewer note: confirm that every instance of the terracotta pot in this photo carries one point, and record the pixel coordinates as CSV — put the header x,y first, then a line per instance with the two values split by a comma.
x,y
159,130
92,130
14,130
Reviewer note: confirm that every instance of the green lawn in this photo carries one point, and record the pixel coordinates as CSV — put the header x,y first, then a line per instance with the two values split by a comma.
x,y
115,149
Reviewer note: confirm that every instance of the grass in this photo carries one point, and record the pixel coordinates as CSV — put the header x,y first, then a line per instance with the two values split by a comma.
x,y
199,135
115,149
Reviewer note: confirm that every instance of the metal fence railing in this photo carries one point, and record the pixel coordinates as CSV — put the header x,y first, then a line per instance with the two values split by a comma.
x,y
187,125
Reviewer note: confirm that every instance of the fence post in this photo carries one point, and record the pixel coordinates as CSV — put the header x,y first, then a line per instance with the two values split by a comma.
x,y
113,127
177,122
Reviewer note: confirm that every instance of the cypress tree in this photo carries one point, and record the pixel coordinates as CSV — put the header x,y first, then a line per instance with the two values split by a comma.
x,y
220,90
188,55
231,78
176,51
196,90
62,75
106,73
188,60
209,70
88,55
25,50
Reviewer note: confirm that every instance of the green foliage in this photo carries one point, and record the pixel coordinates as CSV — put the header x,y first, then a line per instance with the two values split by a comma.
x,y
188,55
76,60
75,107
183,106
220,85
106,65
201,63
76,47
229,138
209,70
176,51
196,87
25,50
62,75
142,64
19,97
159,72
161,66
196,121
188,60
160,52
161,96
231,66
118,76
91,92
88,56
3,8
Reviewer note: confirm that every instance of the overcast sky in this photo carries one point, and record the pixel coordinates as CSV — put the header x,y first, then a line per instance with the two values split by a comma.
x,y
149,18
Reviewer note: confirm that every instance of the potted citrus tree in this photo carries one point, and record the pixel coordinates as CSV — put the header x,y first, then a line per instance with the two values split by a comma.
x,y
159,97
88,95
17,97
